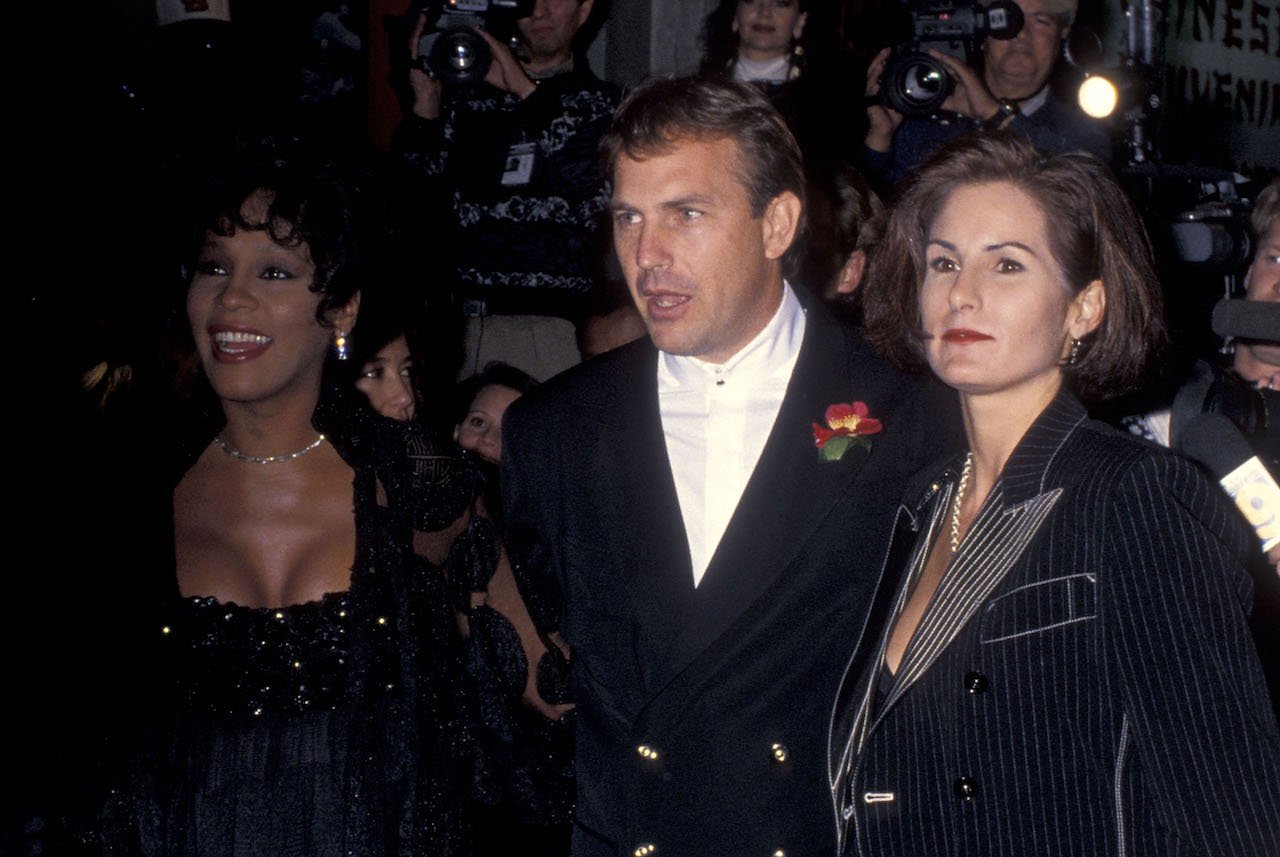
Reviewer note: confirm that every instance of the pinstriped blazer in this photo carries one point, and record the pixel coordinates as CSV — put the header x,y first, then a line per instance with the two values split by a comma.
x,y
1083,681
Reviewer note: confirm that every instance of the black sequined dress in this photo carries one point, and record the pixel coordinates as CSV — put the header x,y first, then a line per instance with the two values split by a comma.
x,y
334,727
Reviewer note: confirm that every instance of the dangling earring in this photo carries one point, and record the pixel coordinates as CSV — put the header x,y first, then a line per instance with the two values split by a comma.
x,y
1075,352
797,59
340,345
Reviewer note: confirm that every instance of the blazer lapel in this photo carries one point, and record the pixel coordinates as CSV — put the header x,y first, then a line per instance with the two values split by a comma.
x,y
1009,519
638,510
995,541
786,498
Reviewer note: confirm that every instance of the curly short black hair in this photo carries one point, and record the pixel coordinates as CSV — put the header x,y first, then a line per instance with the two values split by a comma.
x,y
316,197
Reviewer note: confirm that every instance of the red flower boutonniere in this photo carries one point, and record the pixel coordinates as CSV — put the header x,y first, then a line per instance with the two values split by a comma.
x,y
847,424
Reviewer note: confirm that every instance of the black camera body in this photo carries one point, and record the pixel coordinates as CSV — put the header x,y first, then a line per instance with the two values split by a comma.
x,y
914,83
451,51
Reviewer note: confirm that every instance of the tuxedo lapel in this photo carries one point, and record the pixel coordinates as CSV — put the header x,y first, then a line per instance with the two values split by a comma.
x,y
638,510
789,493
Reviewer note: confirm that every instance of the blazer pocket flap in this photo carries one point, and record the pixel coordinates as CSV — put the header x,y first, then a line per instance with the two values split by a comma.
x,y
1042,606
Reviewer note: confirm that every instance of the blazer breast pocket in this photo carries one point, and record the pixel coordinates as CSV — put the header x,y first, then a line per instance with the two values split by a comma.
x,y
1040,607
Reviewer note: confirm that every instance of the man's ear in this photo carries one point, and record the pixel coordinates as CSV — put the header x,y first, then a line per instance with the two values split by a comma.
x,y
584,11
780,222
344,317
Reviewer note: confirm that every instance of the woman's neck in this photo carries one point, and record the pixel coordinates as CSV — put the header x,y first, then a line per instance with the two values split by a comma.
x,y
996,423
276,427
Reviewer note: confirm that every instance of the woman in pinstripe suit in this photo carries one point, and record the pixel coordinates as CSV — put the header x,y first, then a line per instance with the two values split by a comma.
x,y
1065,666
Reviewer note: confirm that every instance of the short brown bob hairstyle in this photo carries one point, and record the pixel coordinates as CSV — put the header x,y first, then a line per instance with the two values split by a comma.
x,y
1094,233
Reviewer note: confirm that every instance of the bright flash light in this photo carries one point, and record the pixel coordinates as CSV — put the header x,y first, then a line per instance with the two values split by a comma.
x,y
1098,97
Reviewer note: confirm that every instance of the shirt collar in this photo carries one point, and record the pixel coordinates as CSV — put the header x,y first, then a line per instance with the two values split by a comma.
x,y
1035,102
770,353
545,74
773,71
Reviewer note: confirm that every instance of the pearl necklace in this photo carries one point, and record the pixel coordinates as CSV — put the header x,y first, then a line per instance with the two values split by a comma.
x,y
955,509
266,459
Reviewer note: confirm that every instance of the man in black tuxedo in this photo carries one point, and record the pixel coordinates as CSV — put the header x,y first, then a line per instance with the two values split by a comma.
x,y
717,564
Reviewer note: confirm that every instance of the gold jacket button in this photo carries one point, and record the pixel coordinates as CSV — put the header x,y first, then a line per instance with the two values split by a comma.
x,y
644,850
779,752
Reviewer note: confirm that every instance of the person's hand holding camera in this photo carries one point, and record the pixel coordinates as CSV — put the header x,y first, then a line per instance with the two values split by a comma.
x,y
882,121
971,97
427,91
505,71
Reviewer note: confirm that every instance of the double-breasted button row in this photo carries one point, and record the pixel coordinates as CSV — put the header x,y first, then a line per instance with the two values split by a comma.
x,y
777,751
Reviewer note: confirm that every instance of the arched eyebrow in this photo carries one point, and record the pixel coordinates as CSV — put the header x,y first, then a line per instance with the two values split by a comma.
x,y
990,248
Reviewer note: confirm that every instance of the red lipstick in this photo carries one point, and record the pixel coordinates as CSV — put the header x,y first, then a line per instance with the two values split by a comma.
x,y
964,336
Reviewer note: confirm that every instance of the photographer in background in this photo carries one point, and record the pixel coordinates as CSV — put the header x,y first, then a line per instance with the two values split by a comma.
x,y
1010,92
1242,401
1258,361
512,160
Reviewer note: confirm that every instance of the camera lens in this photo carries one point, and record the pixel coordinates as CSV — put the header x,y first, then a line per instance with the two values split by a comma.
x,y
459,57
922,84
916,84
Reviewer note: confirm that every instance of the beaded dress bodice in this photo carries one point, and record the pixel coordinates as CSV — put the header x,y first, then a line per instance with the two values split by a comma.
x,y
331,727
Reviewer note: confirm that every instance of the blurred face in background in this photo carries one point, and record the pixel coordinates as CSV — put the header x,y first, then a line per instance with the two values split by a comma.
x,y
1020,67
1257,360
480,431
387,381
547,34
766,28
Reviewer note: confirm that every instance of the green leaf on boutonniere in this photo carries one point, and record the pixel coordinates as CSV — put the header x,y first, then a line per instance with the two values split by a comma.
x,y
835,448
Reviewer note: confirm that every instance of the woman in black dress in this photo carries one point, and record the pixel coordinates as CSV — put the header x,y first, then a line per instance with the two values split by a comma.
x,y
516,660
314,697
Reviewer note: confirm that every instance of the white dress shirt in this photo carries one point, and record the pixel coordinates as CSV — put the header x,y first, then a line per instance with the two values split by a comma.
x,y
716,419
775,70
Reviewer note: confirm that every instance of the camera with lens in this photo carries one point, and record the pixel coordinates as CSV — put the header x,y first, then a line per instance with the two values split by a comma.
x,y
914,83
451,51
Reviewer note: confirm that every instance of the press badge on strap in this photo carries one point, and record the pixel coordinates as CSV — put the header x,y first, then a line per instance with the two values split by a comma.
x,y
519,164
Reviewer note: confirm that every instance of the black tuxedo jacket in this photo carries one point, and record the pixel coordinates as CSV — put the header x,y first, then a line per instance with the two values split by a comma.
x,y
1083,681
703,713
